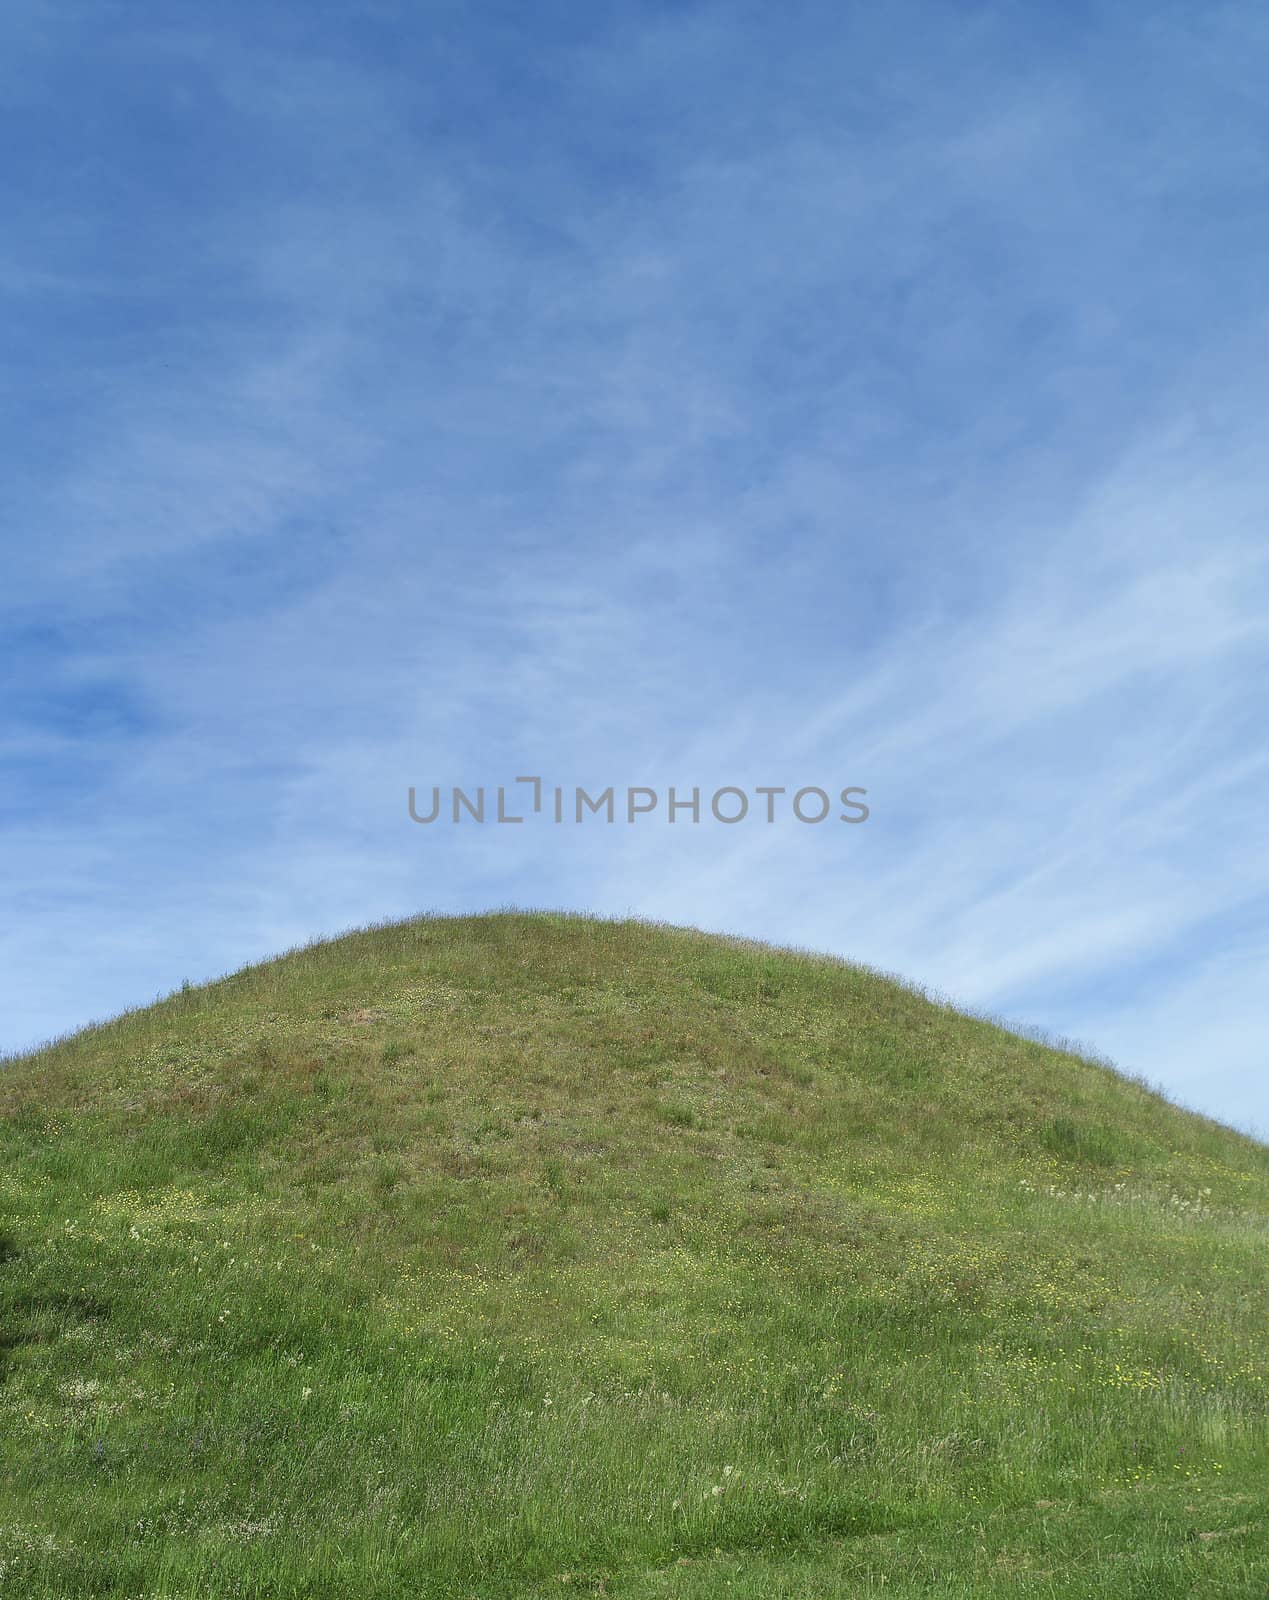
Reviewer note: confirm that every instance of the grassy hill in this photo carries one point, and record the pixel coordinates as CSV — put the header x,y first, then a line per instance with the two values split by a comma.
x,y
529,1255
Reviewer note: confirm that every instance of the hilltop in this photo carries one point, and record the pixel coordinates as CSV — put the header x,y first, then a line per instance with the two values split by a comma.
x,y
528,1254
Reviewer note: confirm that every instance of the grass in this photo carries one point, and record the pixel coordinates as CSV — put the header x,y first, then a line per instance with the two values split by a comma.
x,y
529,1255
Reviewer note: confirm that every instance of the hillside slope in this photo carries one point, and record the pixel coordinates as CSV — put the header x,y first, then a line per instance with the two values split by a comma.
x,y
527,1254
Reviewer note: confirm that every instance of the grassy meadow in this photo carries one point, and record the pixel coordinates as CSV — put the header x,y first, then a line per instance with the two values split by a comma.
x,y
528,1255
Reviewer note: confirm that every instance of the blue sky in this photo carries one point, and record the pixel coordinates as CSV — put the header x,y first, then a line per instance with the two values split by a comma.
x,y
644,394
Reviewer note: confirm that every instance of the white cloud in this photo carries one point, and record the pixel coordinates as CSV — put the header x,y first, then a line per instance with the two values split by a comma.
x,y
874,432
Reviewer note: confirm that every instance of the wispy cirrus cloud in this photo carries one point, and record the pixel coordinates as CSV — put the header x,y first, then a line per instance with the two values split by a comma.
x,y
704,397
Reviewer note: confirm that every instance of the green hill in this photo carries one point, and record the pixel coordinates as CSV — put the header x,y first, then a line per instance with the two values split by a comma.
x,y
530,1255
